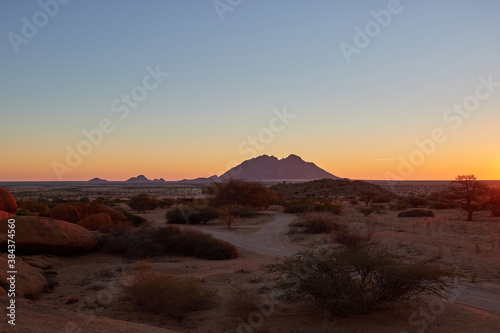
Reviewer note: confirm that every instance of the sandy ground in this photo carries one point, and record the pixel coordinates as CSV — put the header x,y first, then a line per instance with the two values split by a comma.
x,y
444,238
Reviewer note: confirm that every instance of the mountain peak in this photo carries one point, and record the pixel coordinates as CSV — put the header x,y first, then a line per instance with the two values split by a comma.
x,y
97,180
140,178
294,157
271,168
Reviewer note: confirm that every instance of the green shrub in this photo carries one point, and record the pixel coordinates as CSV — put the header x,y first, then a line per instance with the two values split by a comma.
x,y
319,224
85,200
416,213
163,293
31,207
133,244
246,212
215,249
344,281
299,206
135,219
147,243
188,214
328,206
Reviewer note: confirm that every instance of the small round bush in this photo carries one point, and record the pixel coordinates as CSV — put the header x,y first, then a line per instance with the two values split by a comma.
x,y
319,225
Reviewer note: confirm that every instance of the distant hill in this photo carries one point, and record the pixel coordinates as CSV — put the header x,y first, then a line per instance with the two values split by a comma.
x,y
98,180
271,168
201,180
329,188
143,179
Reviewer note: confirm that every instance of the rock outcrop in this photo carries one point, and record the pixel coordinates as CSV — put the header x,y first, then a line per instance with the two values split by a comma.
x,y
271,168
7,202
4,215
95,221
40,235
97,207
64,212
29,280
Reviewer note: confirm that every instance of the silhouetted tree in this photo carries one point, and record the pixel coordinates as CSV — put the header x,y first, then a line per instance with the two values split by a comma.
x,y
471,194
241,192
367,195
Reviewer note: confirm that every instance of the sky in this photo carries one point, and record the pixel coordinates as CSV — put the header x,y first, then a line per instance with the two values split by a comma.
x,y
184,89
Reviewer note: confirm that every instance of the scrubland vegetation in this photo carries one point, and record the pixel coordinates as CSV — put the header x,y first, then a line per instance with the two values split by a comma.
x,y
153,242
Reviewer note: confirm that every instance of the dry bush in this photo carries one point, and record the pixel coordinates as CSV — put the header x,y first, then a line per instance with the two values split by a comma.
x,y
163,293
317,223
243,300
320,225
299,206
366,210
31,207
329,206
352,240
345,281
188,214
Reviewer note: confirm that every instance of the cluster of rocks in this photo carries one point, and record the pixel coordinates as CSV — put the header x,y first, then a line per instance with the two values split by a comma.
x,y
92,217
66,229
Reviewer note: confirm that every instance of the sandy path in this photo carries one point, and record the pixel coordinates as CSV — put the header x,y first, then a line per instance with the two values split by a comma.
x,y
478,297
268,240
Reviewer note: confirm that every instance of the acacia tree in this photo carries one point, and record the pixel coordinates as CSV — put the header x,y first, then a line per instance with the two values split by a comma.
x,y
471,194
367,195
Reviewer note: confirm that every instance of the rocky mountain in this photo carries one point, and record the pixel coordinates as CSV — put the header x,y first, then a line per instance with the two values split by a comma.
x,y
271,168
144,179
98,180
201,180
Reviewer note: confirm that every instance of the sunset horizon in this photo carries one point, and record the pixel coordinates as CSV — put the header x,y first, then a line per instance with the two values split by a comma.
x,y
126,95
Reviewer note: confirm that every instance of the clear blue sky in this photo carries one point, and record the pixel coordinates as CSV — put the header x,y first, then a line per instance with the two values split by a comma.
x,y
225,77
